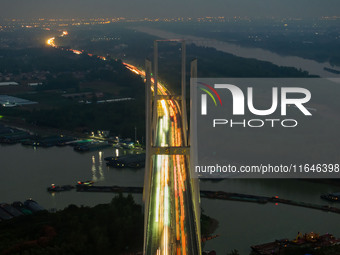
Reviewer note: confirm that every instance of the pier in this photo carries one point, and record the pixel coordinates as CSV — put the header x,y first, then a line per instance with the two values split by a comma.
x,y
221,195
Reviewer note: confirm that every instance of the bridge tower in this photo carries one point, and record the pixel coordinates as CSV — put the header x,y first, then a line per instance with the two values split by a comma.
x,y
171,196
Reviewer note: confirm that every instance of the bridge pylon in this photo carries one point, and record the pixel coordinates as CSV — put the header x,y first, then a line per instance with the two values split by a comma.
x,y
171,196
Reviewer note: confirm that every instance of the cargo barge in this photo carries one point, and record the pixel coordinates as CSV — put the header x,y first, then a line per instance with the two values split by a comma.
x,y
127,161
332,197
55,188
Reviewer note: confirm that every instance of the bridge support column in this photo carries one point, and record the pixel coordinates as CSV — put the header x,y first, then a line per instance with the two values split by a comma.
x,y
183,102
148,143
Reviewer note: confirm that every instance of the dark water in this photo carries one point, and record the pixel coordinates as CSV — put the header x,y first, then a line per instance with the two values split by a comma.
x,y
245,224
26,172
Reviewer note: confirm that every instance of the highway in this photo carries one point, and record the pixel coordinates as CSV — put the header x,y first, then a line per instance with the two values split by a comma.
x,y
171,227
170,221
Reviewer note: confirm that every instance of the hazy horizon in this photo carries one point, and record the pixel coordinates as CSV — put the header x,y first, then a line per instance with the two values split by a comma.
x,y
167,8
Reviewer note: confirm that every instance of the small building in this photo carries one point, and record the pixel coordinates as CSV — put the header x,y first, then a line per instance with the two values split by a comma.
x,y
9,83
83,95
9,101
33,84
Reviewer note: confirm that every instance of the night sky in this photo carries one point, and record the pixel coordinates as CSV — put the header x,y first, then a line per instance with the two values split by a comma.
x,y
166,8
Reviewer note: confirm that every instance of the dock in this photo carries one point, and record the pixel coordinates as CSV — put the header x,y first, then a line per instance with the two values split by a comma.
x,y
221,195
264,199
91,146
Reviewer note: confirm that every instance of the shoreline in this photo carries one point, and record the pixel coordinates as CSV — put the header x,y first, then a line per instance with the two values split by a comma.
x,y
309,65
39,130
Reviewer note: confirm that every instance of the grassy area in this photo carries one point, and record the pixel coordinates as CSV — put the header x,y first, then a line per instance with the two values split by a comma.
x,y
108,88
46,99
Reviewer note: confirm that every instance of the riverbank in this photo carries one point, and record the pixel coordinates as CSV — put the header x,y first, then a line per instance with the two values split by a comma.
x,y
311,66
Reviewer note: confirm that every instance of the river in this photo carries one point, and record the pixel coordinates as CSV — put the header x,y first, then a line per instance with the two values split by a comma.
x,y
26,172
313,67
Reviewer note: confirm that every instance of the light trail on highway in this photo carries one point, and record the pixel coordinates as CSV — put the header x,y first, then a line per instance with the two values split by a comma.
x,y
170,209
169,205
51,42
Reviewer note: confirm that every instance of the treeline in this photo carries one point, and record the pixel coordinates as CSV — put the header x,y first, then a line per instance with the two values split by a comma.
x,y
114,72
213,63
130,84
114,228
45,59
120,118
61,81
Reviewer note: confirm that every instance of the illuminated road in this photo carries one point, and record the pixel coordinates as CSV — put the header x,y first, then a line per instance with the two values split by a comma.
x,y
171,225
51,42
170,220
